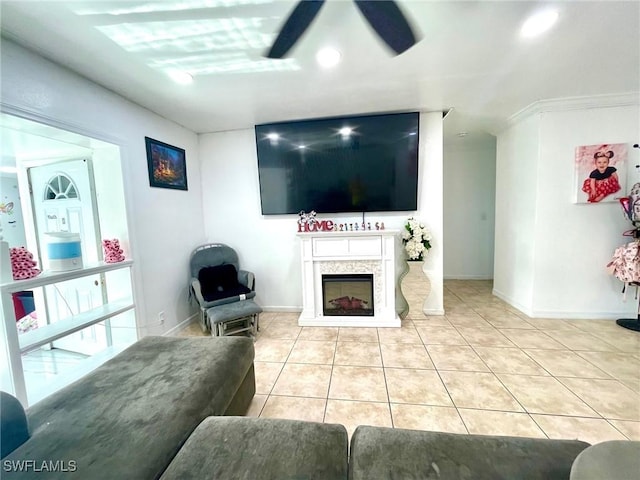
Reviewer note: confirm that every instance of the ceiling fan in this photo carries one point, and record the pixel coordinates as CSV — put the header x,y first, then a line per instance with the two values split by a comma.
x,y
384,16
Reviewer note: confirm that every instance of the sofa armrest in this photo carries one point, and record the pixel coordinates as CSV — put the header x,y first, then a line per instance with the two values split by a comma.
x,y
14,429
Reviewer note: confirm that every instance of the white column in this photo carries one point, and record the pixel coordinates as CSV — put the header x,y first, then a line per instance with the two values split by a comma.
x,y
430,205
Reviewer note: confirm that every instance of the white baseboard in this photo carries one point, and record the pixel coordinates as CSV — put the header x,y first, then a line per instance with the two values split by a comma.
x,y
583,315
512,302
281,309
468,277
572,315
433,312
171,332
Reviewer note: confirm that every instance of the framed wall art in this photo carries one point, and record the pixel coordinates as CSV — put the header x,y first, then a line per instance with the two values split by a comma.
x,y
167,165
600,173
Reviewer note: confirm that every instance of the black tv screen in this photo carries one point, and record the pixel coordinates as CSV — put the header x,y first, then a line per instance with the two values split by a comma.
x,y
348,164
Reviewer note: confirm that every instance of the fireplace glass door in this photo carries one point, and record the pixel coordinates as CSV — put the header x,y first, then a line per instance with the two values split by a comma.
x,y
347,295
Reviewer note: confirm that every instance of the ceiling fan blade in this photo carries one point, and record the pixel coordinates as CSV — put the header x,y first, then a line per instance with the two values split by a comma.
x,y
294,27
390,24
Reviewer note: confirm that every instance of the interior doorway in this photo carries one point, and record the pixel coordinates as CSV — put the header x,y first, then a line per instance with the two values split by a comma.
x,y
61,181
63,201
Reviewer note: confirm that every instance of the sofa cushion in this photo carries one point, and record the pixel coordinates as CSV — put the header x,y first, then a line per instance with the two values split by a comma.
x,y
386,453
14,430
130,416
262,448
220,281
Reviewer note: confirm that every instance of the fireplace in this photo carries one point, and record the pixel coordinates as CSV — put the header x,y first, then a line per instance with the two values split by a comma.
x,y
348,295
348,278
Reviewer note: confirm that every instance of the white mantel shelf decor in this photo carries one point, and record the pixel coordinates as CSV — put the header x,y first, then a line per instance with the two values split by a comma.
x,y
353,252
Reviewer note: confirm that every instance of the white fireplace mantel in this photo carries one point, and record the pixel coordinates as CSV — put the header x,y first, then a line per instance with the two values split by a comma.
x,y
366,251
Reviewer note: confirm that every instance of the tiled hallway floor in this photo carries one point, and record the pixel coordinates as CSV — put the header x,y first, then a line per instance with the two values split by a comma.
x,y
483,368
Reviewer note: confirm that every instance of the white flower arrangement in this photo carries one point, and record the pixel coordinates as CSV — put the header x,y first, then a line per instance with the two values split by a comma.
x,y
416,239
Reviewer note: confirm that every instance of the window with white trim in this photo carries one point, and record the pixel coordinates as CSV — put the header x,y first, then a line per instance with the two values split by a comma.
x,y
60,187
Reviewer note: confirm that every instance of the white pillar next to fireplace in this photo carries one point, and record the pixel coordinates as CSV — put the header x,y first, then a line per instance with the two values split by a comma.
x,y
352,252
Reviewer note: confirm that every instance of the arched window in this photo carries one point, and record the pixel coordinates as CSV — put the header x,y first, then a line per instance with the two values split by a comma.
x,y
60,187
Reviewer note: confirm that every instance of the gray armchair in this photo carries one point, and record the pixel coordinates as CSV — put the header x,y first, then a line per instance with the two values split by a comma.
x,y
216,279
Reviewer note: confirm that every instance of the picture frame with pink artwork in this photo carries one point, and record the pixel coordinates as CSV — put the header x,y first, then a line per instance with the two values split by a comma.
x,y
600,173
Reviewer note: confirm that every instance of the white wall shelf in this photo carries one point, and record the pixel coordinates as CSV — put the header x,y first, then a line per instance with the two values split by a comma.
x,y
49,277
49,333
15,345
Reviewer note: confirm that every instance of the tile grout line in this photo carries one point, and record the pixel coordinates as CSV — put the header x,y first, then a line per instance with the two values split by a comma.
x,y
384,375
445,387
333,364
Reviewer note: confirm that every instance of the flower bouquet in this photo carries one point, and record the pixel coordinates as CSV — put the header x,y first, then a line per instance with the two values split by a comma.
x,y
416,239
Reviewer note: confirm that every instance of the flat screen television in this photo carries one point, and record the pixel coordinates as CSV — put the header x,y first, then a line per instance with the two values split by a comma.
x,y
347,164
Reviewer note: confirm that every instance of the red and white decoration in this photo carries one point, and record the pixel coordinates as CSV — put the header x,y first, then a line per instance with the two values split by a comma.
x,y
23,265
112,251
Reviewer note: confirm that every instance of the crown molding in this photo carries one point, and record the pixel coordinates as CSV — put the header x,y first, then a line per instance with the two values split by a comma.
x,y
575,103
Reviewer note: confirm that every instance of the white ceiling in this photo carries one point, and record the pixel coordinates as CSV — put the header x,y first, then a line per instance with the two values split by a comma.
x,y
471,57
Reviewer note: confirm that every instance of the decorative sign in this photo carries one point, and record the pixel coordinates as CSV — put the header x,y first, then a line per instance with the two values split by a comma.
x,y
309,223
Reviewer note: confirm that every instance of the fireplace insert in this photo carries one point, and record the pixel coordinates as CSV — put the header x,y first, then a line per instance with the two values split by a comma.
x,y
347,295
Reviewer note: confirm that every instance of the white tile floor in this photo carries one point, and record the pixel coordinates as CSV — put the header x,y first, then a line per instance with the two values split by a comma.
x,y
483,368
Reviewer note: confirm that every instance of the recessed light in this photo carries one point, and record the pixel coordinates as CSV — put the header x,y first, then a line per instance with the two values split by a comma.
x,y
328,57
178,76
539,23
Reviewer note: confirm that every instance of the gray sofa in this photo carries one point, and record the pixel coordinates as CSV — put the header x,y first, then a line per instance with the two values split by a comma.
x,y
168,408
129,417
275,449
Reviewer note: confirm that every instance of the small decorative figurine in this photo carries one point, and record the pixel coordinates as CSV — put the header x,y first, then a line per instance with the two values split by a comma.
x,y
357,227
342,227
112,251
377,226
369,226
23,265
382,226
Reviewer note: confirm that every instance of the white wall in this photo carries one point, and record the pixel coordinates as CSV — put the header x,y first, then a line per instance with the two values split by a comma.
x,y
164,225
12,221
550,252
268,245
516,186
574,242
469,210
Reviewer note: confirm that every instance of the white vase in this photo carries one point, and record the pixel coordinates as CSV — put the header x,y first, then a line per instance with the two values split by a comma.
x,y
415,287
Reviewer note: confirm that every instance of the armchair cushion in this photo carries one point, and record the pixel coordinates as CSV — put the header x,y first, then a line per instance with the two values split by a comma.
x,y
220,281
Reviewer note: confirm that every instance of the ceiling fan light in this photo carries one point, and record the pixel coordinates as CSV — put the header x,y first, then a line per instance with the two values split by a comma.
x,y
539,23
328,57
